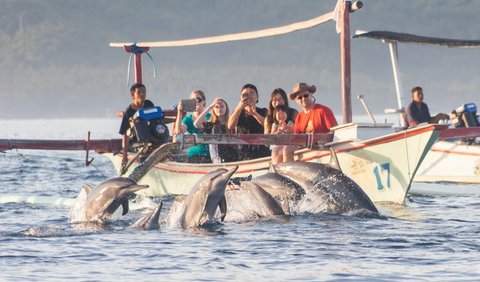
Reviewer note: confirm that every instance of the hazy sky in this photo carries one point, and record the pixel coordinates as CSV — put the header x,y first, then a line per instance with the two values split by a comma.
x,y
79,75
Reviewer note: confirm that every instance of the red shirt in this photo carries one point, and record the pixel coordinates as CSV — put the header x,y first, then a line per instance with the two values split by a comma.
x,y
319,120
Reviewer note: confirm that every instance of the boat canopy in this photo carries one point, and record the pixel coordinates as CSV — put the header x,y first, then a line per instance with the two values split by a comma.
x,y
390,36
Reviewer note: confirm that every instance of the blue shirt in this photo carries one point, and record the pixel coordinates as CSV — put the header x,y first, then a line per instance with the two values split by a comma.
x,y
197,150
415,116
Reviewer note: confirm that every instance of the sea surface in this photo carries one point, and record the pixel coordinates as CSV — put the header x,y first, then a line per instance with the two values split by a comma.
x,y
430,238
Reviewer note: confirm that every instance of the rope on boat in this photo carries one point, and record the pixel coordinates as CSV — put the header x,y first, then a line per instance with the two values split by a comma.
x,y
237,36
135,50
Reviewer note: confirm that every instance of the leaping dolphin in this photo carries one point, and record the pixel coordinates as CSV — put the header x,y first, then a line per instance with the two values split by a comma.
x,y
200,205
102,201
336,192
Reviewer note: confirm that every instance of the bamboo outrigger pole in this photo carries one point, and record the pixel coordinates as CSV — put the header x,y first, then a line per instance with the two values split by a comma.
x,y
341,14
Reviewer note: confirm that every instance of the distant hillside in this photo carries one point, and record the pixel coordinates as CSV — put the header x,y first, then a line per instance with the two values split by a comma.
x,y
56,62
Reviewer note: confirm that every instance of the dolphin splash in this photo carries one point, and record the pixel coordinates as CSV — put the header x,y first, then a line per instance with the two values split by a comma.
x,y
99,203
330,189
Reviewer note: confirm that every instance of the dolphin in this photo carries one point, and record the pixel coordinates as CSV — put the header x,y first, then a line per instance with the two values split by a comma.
x,y
150,221
102,201
268,204
330,188
200,205
282,188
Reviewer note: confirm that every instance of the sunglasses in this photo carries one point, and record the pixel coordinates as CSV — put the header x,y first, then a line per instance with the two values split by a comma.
x,y
219,106
199,99
300,97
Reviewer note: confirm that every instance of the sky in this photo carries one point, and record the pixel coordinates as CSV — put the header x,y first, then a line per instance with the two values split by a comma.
x,y
89,79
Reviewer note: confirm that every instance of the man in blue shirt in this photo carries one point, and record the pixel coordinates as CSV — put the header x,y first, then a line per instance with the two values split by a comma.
x,y
417,111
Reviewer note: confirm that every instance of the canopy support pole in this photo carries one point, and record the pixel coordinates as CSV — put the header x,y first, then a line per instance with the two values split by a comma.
x,y
398,85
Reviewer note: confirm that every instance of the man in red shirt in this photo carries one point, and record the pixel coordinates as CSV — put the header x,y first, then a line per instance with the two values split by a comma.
x,y
314,118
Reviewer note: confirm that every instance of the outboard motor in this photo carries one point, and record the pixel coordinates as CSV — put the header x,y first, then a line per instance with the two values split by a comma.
x,y
465,116
147,126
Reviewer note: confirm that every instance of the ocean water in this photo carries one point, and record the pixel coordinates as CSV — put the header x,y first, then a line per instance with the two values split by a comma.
x,y
431,238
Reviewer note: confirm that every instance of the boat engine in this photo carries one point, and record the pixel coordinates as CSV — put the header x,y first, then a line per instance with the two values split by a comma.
x,y
465,116
148,127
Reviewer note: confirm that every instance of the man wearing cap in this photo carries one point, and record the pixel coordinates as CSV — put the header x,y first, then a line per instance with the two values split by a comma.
x,y
314,118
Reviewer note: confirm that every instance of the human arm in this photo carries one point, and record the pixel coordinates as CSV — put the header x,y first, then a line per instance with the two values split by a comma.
x,y
267,127
233,119
289,127
125,142
252,111
198,123
179,126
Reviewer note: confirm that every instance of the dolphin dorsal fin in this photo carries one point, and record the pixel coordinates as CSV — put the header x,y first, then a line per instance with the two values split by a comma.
x,y
125,206
271,168
223,208
87,188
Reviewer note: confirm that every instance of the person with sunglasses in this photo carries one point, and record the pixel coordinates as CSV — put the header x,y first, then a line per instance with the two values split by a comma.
x,y
248,118
314,118
198,153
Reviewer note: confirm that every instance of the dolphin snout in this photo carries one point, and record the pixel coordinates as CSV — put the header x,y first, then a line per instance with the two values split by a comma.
x,y
135,187
231,171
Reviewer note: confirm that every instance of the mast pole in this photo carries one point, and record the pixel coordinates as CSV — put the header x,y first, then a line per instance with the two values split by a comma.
x,y
345,61
137,61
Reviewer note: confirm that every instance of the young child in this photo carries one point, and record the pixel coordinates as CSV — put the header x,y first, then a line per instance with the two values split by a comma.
x,y
281,153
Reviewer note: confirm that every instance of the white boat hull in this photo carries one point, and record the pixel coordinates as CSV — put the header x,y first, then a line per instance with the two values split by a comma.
x,y
449,161
383,166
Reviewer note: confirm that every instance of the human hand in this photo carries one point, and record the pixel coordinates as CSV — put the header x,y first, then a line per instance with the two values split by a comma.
x,y
250,110
243,102
180,106
216,101
288,129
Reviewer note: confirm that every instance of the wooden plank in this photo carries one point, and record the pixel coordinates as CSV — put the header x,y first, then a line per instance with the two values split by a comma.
x,y
452,133
115,145
258,139
101,145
